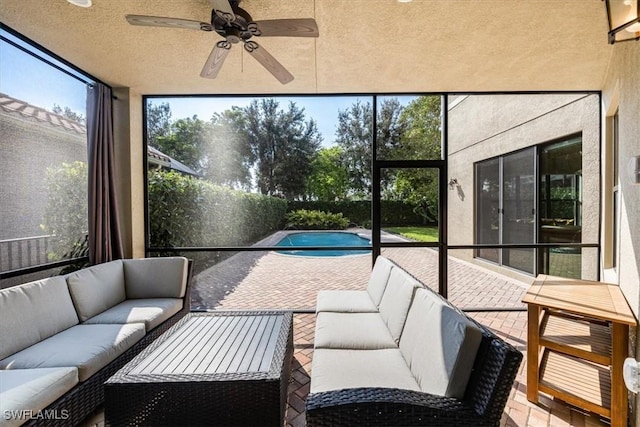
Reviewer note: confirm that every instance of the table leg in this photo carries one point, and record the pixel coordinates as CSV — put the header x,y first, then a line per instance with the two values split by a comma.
x,y
533,341
619,351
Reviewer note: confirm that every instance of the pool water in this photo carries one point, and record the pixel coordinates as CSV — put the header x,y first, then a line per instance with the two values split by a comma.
x,y
329,238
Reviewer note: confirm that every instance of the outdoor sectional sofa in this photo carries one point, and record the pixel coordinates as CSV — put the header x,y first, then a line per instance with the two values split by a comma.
x,y
62,337
397,353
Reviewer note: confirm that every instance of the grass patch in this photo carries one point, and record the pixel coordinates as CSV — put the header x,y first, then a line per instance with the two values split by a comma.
x,y
421,234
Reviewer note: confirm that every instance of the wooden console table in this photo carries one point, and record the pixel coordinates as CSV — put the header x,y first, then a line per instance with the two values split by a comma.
x,y
577,340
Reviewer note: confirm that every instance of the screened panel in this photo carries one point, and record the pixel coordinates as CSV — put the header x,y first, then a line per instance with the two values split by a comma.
x,y
43,158
409,127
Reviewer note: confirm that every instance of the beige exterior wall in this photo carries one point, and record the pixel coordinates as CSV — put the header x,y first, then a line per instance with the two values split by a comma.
x,y
129,154
485,126
622,92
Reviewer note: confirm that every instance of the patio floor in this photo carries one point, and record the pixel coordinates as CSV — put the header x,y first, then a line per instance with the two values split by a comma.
x,y
253,280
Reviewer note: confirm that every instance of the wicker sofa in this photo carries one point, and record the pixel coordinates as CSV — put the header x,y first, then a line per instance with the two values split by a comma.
x,y
62,337
399,354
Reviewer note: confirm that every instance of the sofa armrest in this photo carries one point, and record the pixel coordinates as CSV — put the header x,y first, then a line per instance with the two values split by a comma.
x,y
385,406
493,375
161,277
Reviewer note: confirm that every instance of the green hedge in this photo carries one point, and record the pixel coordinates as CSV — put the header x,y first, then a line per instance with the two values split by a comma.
x,y
65,215
394,213
315,220
186,211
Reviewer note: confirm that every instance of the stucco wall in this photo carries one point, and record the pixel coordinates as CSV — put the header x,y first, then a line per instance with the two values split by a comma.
x,y
486,126
622,91
27,149
129,158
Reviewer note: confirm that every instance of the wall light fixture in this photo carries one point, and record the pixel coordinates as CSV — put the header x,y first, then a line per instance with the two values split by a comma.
x,y
624,20
634,170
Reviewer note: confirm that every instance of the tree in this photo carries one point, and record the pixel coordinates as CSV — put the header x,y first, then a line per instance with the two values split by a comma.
x,y
354,136
65,216
186,142
158,122
282,145
328,180
67,113
390,130
227,156
422,123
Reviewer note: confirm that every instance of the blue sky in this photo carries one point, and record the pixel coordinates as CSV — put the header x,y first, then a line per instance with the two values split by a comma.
x,y
29,79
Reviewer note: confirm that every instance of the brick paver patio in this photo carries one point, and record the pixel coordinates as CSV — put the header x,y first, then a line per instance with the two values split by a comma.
x,y
250,280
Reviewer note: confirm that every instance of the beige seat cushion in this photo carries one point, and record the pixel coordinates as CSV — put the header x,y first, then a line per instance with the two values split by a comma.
x,y
342,369
32,312
87,347
161,277
440,345
345,302
379,278
97,288
396,301
358,331
32,390
350,301
151,312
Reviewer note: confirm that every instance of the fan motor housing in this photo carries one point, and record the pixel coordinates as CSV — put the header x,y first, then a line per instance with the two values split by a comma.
x,y
239,27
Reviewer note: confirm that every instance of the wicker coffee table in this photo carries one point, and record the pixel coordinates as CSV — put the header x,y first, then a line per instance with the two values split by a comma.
x,y
217,368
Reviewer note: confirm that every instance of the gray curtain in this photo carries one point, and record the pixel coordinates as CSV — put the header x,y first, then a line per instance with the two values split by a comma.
x,y
105,241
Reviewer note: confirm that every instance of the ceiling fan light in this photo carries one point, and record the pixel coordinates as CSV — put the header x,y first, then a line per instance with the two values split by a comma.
x,y
81,3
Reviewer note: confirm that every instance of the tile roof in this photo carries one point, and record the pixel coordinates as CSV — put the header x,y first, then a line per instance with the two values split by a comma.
x,y
12,105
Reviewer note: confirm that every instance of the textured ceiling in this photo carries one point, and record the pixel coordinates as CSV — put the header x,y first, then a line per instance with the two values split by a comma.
x,y
364,45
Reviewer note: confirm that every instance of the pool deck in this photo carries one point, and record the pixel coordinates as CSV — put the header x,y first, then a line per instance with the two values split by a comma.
x,y
252,280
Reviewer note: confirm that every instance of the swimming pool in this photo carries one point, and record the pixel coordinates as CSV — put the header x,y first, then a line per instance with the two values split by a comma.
x,y
324,238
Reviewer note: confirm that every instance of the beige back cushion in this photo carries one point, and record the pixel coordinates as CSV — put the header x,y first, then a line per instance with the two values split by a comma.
x,y
396,301
378,279
97,288
439,345
162,277
32,312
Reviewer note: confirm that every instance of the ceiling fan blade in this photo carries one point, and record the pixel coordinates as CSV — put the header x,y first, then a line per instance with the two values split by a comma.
x,y
159,21
305,27
268,62
215,60
223,9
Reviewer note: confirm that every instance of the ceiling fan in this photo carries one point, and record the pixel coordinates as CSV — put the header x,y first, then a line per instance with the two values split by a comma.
x,y
236,25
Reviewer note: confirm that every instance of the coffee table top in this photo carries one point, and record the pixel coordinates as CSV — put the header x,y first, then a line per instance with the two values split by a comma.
x,y
214,346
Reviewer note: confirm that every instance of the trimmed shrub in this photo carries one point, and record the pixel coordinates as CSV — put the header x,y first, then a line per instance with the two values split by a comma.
x,y
315,220
394,213
65,216
187,211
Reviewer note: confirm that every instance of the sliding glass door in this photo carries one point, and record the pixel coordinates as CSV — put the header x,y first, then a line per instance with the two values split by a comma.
x,y
518,210
488,208
505,208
